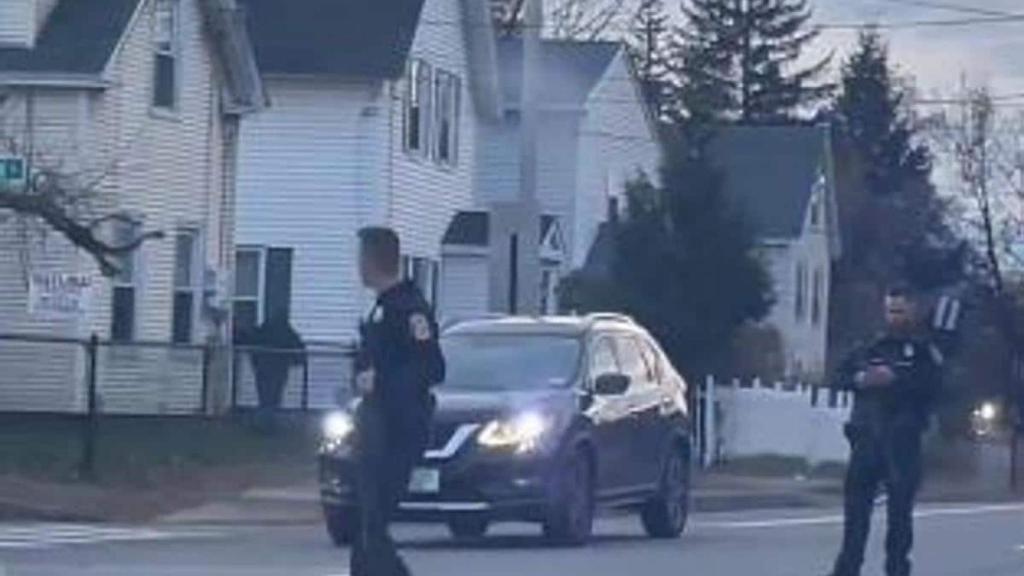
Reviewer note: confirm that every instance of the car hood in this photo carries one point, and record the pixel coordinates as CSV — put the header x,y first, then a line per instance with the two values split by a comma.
x,y
480,406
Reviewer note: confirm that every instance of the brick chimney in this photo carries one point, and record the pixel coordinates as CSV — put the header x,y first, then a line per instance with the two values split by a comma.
x,y
22,20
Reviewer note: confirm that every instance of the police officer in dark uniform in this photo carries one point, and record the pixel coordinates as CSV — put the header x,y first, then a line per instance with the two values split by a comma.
x,y
398,364
895,381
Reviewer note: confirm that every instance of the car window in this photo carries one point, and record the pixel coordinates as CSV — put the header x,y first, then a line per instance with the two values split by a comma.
x,y
652,358
603,359
633,364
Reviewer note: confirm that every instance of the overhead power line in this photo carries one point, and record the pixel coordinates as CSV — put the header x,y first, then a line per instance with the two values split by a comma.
x,y
950,7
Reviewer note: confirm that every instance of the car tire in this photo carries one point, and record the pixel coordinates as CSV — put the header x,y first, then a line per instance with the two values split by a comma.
x,y
467,528
570,516
665,516
341,525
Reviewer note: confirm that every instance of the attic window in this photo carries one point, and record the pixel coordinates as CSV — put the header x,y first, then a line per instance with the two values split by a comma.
x,y
447,104
165,55
816,211
417,107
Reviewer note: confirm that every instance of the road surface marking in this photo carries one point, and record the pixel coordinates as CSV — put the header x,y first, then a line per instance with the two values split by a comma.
x,y
36,536
838,518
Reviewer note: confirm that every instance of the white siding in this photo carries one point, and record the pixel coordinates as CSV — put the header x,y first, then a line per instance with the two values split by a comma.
x,y
17,22
307,171
617,142
425,196
805,342
168,171
465,281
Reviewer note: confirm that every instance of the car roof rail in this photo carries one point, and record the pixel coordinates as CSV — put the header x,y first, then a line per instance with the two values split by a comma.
x,y
453,321
611,317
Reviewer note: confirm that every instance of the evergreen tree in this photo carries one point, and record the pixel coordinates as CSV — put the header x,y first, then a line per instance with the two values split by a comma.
x,y
683,266
871,108
648,46
737,60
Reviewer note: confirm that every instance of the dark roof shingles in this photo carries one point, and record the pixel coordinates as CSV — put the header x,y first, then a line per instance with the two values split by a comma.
x,y
348,38
570,72
769,172
78,38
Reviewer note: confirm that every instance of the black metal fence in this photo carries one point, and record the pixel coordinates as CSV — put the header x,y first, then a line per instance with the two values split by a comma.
x,y
92,378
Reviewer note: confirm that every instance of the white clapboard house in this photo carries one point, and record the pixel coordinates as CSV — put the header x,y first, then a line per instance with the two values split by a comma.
x,y
783,178
139,100
596,134
373,121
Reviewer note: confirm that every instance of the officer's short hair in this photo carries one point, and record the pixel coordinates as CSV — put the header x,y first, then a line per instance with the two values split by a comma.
x,y
381,244
901,290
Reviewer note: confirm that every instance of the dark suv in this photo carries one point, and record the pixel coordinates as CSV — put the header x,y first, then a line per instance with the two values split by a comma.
x,y
540,420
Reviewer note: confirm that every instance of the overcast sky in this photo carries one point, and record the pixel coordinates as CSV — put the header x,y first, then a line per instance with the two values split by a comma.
x,y
937,57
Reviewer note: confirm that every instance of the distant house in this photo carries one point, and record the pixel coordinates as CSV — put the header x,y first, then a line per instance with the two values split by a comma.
x,y
596,135
144,98
784,181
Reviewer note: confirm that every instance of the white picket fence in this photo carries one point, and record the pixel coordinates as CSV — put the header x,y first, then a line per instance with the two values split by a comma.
x,y
736,421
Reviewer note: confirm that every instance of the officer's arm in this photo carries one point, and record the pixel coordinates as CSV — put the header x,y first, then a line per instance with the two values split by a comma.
x,y
846,376
425,361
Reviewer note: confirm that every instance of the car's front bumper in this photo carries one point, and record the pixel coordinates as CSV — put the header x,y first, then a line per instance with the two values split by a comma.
x,y
494,484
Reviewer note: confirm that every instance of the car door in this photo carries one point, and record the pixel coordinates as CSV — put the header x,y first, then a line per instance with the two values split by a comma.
x,y
644,404
611,420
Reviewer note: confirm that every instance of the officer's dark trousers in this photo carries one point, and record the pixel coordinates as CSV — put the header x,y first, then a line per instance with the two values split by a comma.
x,y
386,459
892,460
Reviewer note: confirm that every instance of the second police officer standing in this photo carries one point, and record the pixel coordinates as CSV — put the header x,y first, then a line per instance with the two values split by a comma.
x,y
895,381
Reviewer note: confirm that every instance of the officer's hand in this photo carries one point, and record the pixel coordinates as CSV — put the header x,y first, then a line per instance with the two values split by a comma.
x,y
878,376
364,382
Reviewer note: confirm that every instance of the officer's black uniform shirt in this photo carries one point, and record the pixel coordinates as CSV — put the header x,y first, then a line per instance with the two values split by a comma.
x,y
400,342
909,400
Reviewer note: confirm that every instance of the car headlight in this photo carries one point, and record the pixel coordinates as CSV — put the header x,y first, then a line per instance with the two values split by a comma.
x,y
337,427
522,433
988,411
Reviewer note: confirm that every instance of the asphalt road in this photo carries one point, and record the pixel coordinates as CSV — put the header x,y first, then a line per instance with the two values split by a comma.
x,y
963,540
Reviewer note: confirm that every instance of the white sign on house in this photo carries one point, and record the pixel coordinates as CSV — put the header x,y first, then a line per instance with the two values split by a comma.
x,y
58,295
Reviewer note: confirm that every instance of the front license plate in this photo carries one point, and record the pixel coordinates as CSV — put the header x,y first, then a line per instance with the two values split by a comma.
x,y
425,481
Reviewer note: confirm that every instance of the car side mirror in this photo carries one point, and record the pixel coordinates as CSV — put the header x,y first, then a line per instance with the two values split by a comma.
x,y
611,384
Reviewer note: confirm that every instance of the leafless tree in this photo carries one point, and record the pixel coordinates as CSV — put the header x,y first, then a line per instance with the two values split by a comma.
x,y
72,204
986,146
571,19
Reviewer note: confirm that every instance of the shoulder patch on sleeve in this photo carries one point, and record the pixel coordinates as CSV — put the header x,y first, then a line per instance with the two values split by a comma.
x,y
419,325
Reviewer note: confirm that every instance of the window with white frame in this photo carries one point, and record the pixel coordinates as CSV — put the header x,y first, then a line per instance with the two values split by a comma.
x,y
447,111
247,309
166,51
186,286
124,298
801,291
418,98
424,273
818,296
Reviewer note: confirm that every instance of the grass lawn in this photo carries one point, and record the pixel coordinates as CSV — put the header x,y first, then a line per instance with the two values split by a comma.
x,y
154,452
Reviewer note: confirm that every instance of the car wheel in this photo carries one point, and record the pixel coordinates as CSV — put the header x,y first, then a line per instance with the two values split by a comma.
x,y
468,527
665,515
341,525
570,518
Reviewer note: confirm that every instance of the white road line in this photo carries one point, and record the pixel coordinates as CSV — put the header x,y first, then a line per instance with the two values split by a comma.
x,y
838,518
36,536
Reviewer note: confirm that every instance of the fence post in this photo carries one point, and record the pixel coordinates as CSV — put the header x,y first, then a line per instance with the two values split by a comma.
x,y
87,467
305,382
235,374
710,434
204,401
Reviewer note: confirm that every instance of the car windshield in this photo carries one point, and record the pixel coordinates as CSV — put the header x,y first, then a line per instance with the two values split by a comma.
x,y
510,362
